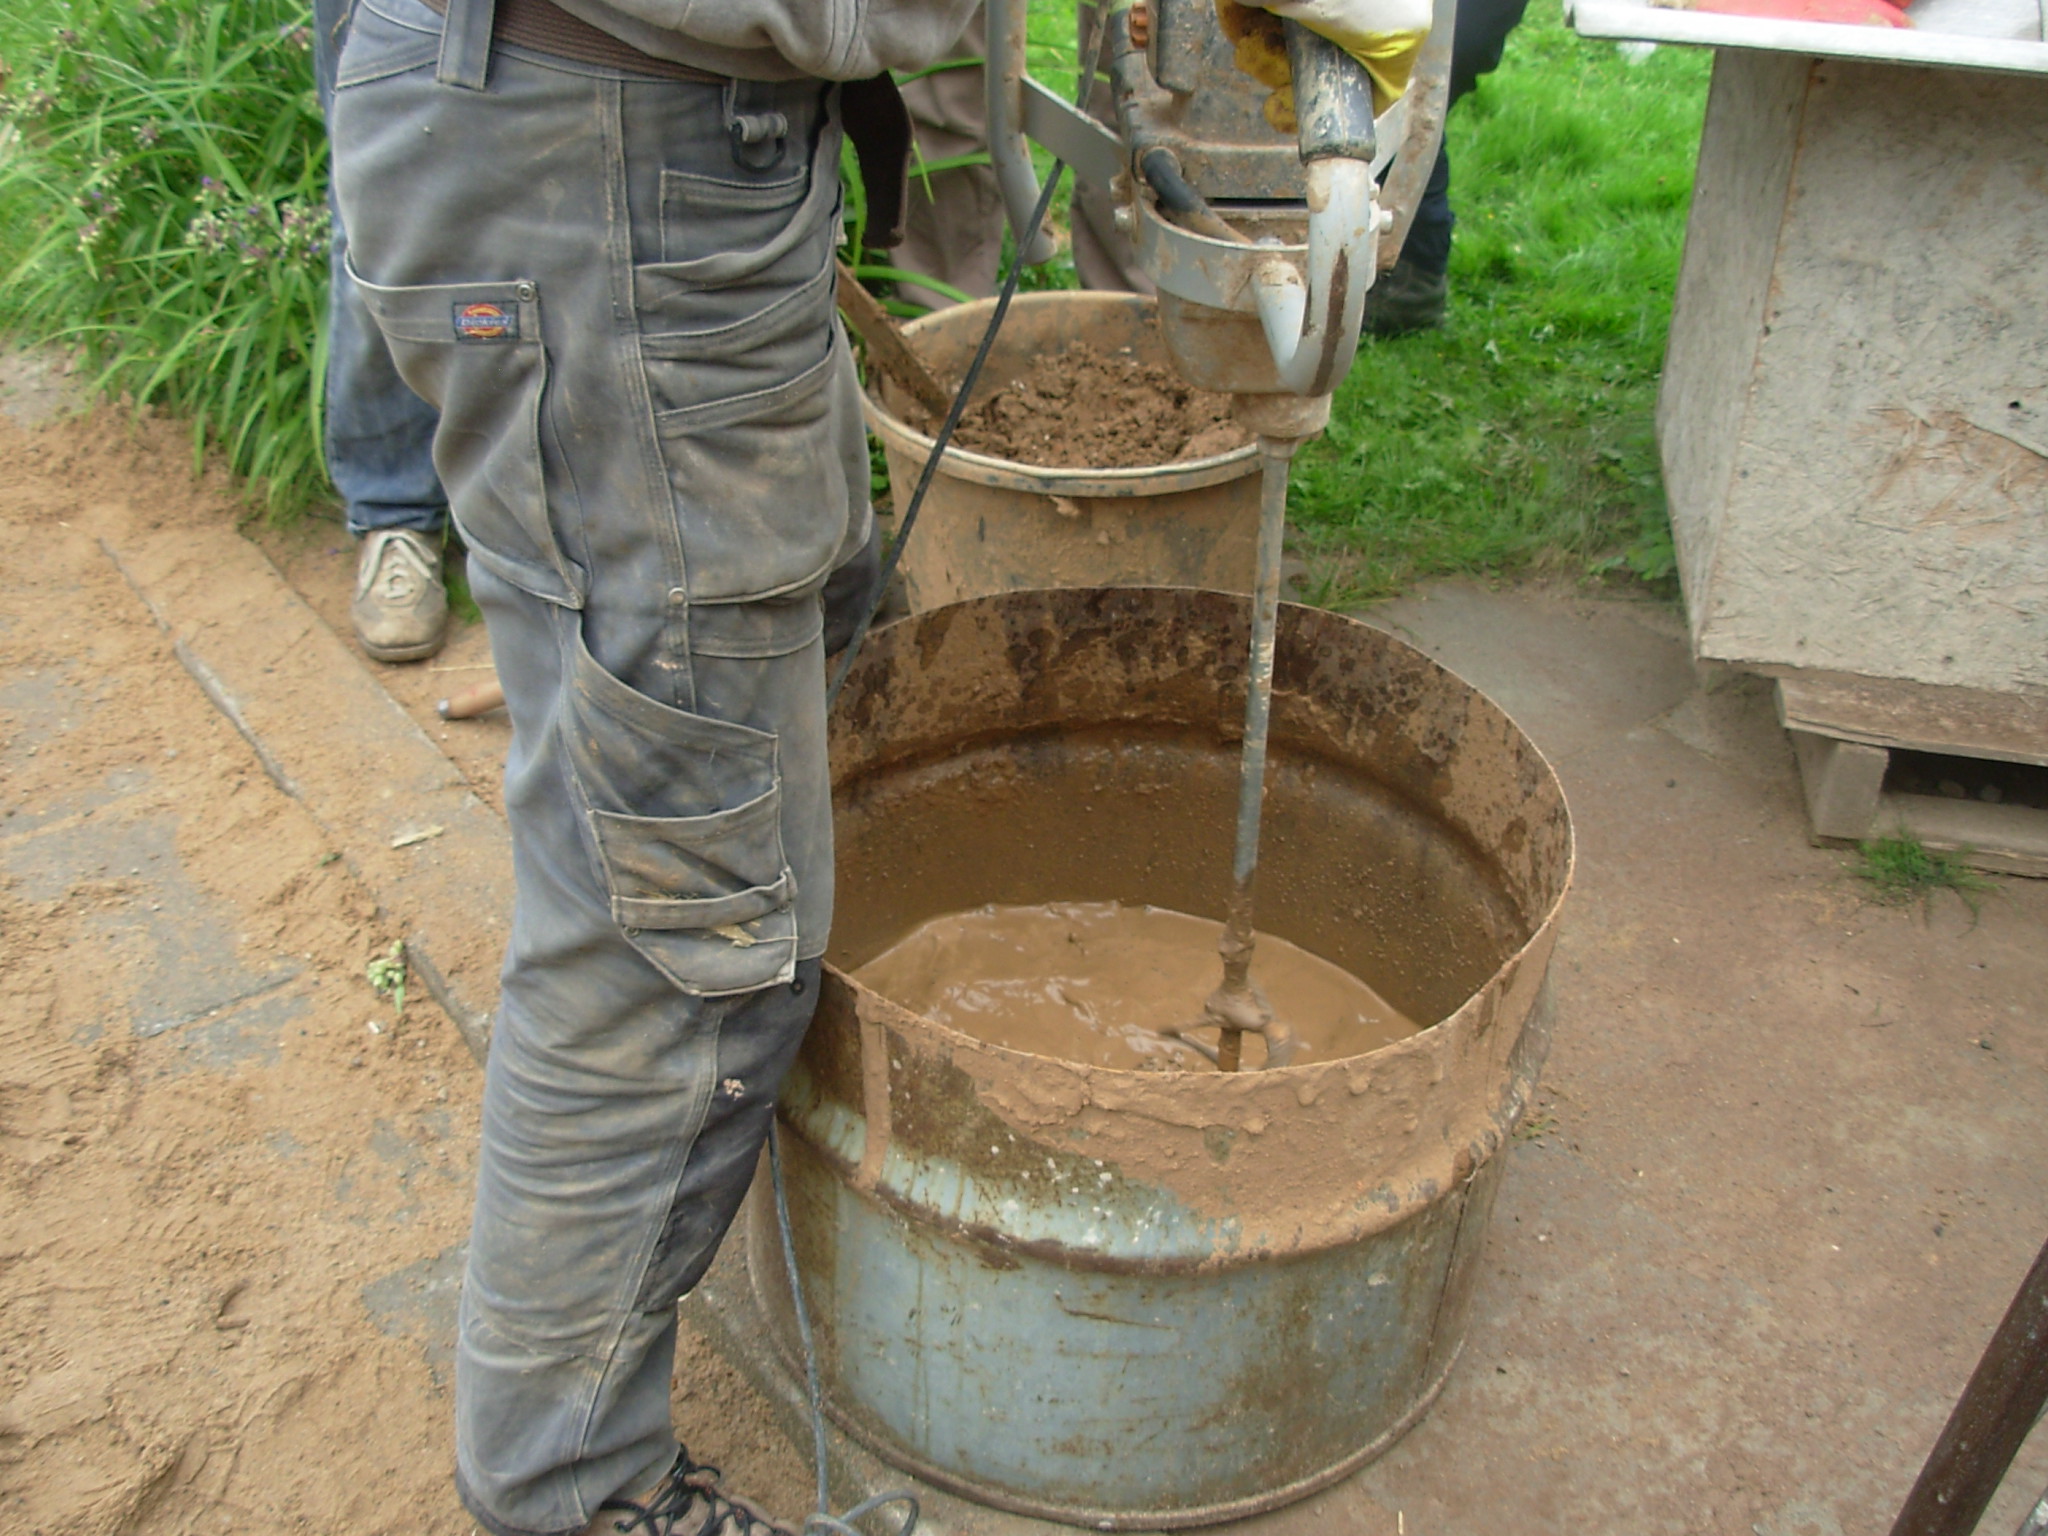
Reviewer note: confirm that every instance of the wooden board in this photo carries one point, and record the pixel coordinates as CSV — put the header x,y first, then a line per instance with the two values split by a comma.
x,y
1918,717
1854,415
2012,839
1843,734
1649,21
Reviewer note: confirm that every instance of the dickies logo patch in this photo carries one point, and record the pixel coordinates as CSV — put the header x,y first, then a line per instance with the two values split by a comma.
x,y
485,321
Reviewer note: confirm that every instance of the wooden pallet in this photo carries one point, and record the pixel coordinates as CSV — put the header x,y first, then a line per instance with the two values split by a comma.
x,y
1844,730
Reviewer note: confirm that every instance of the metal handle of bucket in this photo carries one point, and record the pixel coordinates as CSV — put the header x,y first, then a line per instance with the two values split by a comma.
x,y
1008,151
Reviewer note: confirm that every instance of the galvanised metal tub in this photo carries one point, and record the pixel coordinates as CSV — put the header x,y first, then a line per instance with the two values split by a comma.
x,y
1133,1299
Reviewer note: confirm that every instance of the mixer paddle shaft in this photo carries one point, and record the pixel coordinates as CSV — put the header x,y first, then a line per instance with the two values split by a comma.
x,y
1236,1005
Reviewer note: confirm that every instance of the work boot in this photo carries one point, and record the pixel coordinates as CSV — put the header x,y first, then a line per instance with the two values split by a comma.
x,y
686,1502
1406,299
400,610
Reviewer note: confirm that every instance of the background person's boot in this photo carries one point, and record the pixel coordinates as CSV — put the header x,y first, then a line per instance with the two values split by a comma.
x,y
1406,299
400,610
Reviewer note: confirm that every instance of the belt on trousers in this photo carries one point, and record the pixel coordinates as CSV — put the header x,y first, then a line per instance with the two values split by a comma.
x,y
875,118
545,27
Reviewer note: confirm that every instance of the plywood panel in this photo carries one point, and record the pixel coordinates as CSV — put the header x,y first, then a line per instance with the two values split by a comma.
x,y
1879,505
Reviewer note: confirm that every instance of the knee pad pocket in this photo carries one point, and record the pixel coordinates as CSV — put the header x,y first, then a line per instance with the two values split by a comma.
x,y
686,815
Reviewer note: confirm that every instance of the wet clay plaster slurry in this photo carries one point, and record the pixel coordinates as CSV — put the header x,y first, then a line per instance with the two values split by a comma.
x,y
1109,983
1012,1257
1121,702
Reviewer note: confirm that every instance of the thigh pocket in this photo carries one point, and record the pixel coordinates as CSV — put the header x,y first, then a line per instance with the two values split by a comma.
x,y
760,480
755,403
686,812
705,215
474,351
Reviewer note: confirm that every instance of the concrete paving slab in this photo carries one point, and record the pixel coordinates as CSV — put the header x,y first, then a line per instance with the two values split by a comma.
x,y
331,738
185,1074
150,924
1780,1189
418,1303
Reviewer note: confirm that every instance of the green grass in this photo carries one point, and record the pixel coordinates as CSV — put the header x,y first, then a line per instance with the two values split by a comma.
x,y
1900,869
162,209
1520,436
161,177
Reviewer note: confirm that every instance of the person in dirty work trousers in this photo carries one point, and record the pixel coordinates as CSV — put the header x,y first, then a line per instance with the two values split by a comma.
x,y
600,241
598,236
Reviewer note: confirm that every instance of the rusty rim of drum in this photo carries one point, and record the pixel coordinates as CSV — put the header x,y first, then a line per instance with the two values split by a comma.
x,y
1508,988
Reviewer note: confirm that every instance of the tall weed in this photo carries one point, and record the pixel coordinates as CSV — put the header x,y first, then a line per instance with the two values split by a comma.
x,y
163,209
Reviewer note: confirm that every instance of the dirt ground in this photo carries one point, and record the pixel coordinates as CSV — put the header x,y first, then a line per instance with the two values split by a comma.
x,y
317,556
1785,1173
234,1183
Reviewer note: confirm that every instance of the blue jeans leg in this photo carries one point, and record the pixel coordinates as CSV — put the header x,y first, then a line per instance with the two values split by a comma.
x,y
1429,237
1476,48
379,435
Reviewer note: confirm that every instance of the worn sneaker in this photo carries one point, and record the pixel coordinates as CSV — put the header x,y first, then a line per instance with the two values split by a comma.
x,y
1406,299
687,1502
400,610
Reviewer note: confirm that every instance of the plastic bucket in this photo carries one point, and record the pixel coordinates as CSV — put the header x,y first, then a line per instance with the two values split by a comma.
x,y
992,525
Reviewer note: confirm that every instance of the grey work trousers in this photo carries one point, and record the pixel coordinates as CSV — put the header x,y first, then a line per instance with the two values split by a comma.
x,y
619,292
953,222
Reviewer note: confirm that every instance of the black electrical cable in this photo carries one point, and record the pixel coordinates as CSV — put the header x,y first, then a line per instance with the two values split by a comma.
x,y
823,1520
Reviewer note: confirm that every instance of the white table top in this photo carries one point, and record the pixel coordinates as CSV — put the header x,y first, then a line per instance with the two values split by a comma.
x,y
1961,34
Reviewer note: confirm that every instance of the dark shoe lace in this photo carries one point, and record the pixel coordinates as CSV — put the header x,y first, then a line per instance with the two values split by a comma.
x,y
688,1502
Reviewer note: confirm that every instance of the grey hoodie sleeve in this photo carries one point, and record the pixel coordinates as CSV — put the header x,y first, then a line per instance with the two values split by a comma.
x,y
785,39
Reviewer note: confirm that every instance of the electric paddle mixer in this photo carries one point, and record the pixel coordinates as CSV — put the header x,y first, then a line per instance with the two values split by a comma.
x,y
1254,202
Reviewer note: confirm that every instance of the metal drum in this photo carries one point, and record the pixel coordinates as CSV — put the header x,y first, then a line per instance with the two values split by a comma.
x,y
1146,1300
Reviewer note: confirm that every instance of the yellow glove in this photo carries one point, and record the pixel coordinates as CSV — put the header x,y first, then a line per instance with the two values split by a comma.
x,y
1385,36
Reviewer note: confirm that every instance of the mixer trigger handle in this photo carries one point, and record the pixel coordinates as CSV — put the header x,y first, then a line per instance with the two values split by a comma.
x,y
1332,98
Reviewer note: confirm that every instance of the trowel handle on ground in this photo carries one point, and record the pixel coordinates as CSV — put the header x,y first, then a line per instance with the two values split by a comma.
x,y
887,349
476,699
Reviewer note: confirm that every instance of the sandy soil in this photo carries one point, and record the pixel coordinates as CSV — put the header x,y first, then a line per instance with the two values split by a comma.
x,y
234,1185
317,556
1085,409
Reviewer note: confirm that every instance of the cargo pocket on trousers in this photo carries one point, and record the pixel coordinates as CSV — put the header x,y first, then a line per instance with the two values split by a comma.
x,y
755,401
686,812
474,351
762,483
